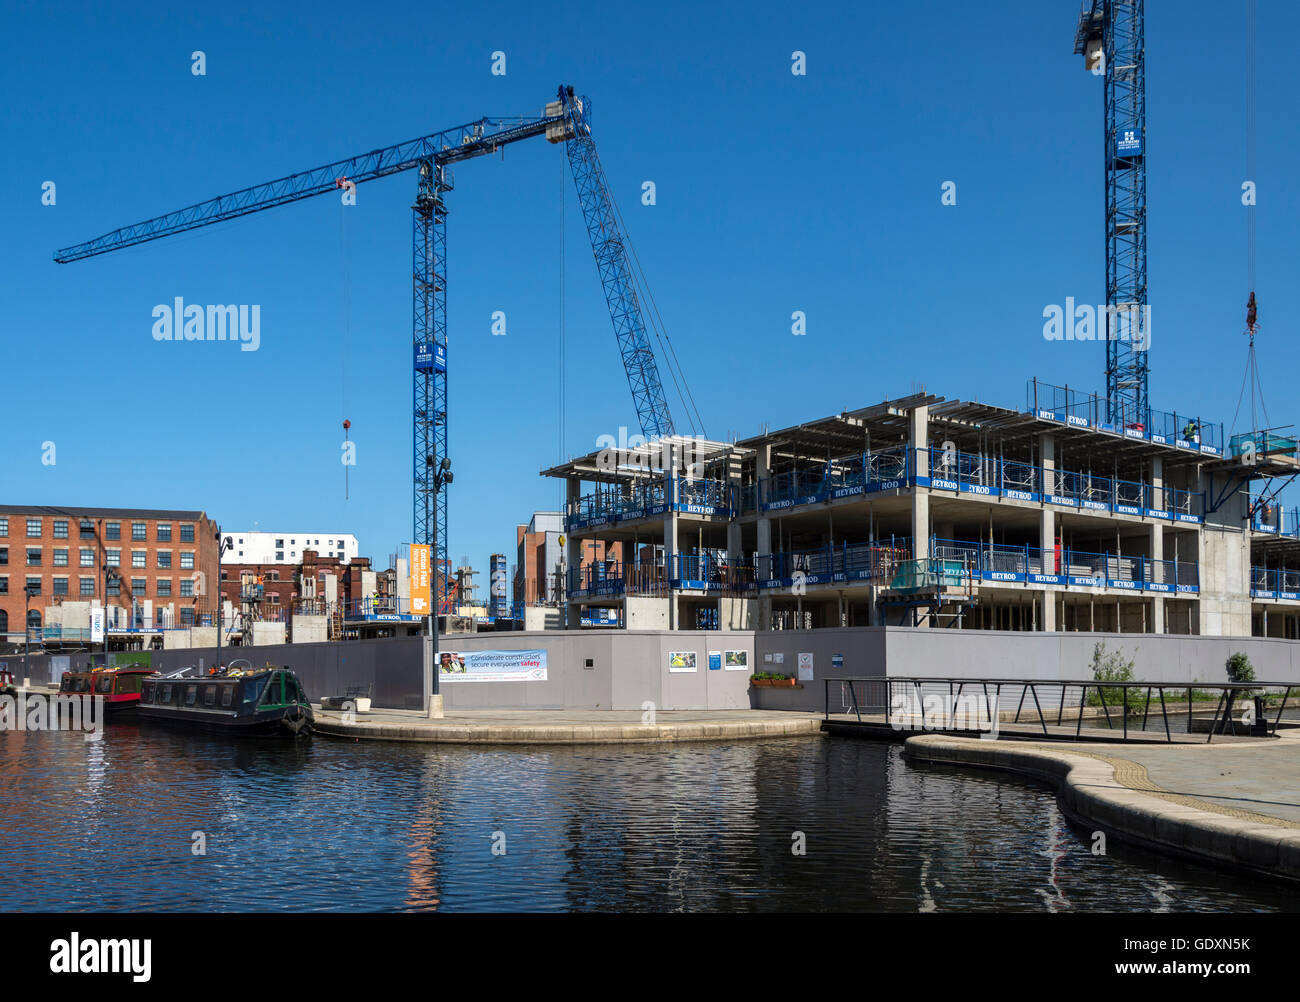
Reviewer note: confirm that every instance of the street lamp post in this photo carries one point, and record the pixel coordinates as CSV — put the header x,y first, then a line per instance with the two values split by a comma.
x,y
28,591
110,577
440,478
221,612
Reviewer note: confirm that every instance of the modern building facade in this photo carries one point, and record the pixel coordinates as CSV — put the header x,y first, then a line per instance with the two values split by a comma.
x,y
151,569
946,513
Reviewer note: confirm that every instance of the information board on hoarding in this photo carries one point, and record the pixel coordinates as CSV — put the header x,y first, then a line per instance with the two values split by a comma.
x,y
492,666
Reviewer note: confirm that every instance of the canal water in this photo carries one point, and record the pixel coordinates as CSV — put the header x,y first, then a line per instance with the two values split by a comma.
x,y
328,825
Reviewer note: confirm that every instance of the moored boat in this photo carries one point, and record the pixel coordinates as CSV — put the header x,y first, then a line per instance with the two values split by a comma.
x,y
119,686
266,702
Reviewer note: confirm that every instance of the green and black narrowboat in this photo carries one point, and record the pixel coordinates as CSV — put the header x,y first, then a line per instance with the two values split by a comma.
x,y
266,702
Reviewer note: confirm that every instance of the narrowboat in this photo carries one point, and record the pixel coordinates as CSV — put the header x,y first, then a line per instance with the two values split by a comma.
x,y
265,702
120,687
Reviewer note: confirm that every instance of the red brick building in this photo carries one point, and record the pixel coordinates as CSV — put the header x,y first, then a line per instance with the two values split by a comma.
x,y
147,566
301,586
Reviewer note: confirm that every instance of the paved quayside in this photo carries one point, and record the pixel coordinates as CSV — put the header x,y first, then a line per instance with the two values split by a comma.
x,y
567,727
1231,803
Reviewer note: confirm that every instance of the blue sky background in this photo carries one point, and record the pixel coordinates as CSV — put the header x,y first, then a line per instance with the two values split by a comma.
x,y
776,193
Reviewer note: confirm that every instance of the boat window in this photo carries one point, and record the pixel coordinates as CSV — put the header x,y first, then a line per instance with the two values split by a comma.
x,y
294,691
165,693
191,694
67,683
147,692
83,683
130,683
209,695
104,684
274,691
253,688
227,696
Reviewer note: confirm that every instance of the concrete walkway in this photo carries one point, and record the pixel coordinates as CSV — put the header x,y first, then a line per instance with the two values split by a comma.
x,y
567,727
1235,804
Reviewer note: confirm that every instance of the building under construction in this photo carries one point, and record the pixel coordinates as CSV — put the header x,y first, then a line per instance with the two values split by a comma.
x,y
946,513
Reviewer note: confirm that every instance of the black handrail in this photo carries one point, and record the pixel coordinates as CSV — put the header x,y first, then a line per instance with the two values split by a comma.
x,y
1222,720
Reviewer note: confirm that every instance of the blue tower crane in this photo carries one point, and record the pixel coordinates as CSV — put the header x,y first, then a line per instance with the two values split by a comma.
x,y
566,119
1111,36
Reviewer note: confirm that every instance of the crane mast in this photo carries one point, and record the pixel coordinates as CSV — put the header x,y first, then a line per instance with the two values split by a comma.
x,y
1111,38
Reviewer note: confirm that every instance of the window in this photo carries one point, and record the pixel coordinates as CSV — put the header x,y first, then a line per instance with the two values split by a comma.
x,y
4,527
187,614
87,529
187,533
34,555
4,621
224,575
87,587
191,694
138,558
164,558
60,558
86,558
273,598
113,558
274,692
60,528
279,554
227,696
60,586
164,532
187,560
209,695
187,588
138,587
4,554
113,586
4,588
253,688
34,585
112,530
164,586
34,527
279,543
139,531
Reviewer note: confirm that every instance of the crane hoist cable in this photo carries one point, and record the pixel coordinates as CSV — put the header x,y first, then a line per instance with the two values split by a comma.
x,y
655,321
1251,382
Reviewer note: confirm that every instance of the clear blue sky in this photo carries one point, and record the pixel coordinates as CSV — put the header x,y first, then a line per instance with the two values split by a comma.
x,y
776,193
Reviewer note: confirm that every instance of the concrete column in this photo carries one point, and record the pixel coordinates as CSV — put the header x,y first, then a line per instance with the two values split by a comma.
x,y
1157,543
572,551
1047,543
918,442
670,551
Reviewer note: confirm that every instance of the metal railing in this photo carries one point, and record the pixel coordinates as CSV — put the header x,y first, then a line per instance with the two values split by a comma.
x,y
913,703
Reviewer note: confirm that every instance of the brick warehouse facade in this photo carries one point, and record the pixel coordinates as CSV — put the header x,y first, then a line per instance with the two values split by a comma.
x,y
166,562
283,584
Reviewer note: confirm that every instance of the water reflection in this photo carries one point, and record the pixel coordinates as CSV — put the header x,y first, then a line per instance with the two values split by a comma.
x,y
334,826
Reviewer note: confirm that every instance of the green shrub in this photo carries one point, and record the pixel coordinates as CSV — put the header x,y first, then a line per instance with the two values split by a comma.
x,y
1239,668
1112,666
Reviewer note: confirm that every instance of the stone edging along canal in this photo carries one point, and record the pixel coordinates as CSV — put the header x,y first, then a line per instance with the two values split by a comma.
x,y
1115,795
461,729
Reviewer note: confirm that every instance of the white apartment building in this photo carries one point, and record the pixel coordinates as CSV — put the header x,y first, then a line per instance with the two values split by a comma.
x,y
245,547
